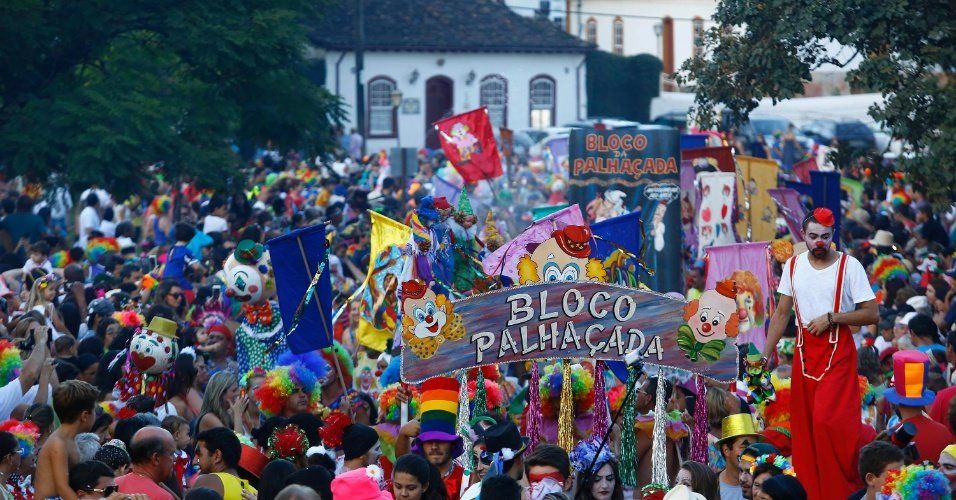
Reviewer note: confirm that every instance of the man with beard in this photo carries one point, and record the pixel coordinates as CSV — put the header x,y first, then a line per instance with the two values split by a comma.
x,y
435,438
829,292
217,453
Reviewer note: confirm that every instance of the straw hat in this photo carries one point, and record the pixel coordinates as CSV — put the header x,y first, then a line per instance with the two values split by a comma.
x,y
883,238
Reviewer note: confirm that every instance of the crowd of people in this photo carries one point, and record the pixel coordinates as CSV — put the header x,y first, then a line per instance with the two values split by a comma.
x,y
91,283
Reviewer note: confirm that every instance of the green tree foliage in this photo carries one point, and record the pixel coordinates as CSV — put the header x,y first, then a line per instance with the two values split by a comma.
x,y
622,87
767,48
99,89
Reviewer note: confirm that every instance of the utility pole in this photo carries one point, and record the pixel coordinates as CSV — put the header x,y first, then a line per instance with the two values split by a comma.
x,y
359,66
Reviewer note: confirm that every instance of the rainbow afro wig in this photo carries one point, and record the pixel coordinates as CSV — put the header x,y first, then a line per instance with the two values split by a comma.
x,y
292,369
160,204
582,385
336,351
96,248
129,319
887,267
26,432
917,482
390,409
60,259
615,398
245,378
10,362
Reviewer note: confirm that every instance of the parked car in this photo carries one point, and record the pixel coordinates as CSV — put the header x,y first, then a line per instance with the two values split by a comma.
x,y
848,133
767,126
521,142
675,119
550,133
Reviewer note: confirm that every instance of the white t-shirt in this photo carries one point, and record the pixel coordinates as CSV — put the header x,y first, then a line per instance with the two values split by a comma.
x,y
108,228
816,288
89,219
11,395
214,224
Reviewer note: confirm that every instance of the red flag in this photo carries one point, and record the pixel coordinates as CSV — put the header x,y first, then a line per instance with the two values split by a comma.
x,y
802,169
469,143
721,158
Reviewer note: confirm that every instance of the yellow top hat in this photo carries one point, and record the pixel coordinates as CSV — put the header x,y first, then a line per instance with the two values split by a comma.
x,y
736,425
163,326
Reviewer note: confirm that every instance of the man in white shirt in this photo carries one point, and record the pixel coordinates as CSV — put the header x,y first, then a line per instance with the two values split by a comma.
x,y
216,222
106,200
89,219
24,389
829,292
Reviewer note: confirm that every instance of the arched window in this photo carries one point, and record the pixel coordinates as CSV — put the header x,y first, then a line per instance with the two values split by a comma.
x,y
494,96
590,30
543,97
381,113
698,37
618,36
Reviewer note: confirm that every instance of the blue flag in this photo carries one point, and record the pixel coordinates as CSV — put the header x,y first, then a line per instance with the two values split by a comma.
x,y
624,230
306,314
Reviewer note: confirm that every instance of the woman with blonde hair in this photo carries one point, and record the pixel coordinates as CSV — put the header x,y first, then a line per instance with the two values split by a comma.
x,y
41,297
222,404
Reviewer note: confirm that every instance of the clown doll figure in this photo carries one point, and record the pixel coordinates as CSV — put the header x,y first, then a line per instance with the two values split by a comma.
x,y
829,292
251,282
149,361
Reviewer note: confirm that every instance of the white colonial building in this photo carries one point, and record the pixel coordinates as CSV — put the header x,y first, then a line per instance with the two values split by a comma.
x,y
446,57
669,29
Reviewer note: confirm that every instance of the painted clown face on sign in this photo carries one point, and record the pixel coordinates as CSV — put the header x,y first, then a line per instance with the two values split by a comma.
x,y
749,300
714,315
427,312
248,274
562,257
151,352
428,319
711,319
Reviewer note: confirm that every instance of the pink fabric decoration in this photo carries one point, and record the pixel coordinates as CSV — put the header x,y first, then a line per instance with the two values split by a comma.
x,y
534,409
698,437
601,418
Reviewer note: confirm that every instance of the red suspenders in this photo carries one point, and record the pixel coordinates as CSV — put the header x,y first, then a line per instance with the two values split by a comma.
x,y
834,331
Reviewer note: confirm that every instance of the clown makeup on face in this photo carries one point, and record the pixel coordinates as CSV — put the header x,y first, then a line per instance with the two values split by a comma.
x,y
947,464
818,238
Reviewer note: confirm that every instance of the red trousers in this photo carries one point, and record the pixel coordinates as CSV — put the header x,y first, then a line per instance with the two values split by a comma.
x,y
826,417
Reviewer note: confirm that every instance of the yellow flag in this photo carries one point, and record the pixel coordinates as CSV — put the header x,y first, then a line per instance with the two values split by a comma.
x,y
756,175
385,233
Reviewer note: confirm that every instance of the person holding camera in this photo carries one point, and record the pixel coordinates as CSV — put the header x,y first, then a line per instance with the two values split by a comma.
x,y
909,396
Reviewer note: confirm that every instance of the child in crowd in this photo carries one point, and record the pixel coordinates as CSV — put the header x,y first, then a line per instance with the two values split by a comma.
x,y
39,258
75,403
180,257
876,459
179,428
